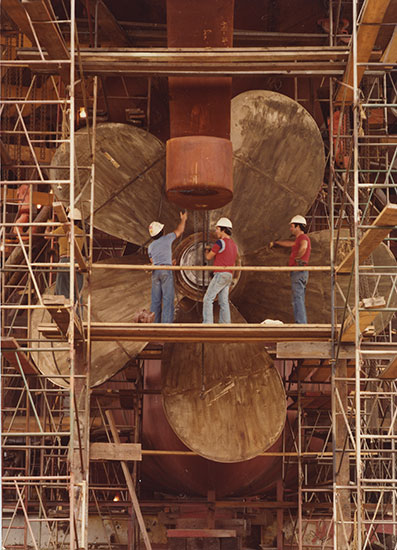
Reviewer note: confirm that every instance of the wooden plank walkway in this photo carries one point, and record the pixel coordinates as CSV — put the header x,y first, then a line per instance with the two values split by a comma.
x,y
198,332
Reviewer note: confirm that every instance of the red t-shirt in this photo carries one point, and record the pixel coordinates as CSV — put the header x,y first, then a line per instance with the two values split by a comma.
x,y
225,253
295,249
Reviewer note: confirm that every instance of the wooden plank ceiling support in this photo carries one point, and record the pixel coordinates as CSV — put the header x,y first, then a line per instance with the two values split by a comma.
x,y
62,217
366,318
374,12
58,308
197,332
115,451
46,27
390,372
312,350
17,14
10,349
109,29
382,226
130,483
202,61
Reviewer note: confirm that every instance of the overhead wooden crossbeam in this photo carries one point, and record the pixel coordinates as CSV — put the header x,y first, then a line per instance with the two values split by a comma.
x,y
109,29
59,309
202,61
11,350
46,28
197,332
366,318
382,226
390,371
62,217
372,17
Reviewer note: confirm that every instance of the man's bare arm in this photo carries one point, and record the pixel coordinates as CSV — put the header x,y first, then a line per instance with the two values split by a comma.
x,y
181,227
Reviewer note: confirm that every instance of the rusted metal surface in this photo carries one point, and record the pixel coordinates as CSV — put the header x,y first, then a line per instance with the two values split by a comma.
x,y
113,300
195,474
199,169
278,166
199,172
224,401
200,106
262,295
128,182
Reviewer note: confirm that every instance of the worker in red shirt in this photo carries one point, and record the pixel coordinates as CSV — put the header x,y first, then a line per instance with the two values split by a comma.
x,y
300,255
224,252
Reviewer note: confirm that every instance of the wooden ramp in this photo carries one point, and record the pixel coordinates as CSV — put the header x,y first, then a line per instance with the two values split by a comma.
x,y
197,332
382,226
11,351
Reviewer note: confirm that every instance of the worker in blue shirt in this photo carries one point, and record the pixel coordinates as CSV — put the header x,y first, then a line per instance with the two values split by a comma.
x,y
160,253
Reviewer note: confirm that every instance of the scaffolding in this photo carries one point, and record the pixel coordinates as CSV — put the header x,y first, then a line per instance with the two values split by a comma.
x,y
346,401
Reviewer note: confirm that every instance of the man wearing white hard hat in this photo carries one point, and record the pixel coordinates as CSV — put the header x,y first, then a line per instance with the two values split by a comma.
x,y
224,253
160,253
62,284
300,255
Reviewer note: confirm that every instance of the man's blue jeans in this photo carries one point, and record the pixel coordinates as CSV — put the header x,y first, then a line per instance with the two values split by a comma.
x,y
219,286
298,286
163,296
62,282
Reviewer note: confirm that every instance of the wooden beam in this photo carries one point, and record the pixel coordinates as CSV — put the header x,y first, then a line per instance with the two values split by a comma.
x,y
130,483
197,332
11,350
312,350
23,423
58,307
62,217
46,27
390,372
382,226
366,318
116,451
203,61
374,12
17,14
201,533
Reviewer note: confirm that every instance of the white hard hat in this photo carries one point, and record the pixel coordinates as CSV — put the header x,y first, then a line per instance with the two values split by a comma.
x,y
76,213
299,219
155,228
224,222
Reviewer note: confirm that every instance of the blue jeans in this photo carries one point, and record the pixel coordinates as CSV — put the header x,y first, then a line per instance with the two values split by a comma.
x,y
62,284
219,286
163,296
298,286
